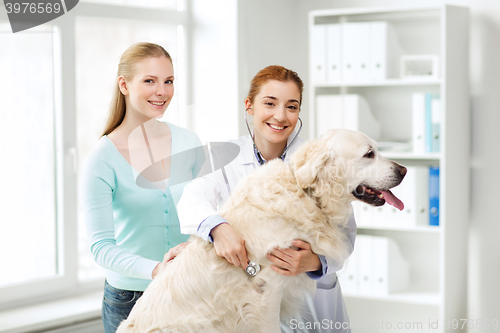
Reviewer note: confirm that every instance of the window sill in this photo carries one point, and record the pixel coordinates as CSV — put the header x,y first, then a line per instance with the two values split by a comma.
x,y
53,314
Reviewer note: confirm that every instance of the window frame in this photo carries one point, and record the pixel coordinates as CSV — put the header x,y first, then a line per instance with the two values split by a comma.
x,y
66,282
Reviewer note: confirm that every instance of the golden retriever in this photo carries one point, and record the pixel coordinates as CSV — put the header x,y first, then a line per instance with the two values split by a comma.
x,y
308,199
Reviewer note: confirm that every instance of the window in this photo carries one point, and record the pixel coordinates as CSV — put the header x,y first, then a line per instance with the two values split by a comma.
x,y
55,92
28,196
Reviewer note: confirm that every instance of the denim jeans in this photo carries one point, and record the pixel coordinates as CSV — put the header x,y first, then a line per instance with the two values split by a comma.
x,y
116,306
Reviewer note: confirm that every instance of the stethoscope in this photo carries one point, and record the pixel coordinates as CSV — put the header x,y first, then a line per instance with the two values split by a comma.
x,y
253,268
257,152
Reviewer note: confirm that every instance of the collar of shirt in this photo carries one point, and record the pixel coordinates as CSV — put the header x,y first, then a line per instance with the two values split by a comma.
x,y
247,155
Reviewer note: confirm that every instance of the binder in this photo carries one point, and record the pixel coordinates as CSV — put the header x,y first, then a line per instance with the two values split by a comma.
x,y
356,51
348,275
333,47
347,112
418,123
385,51
365,259
317,37
328,113
390,271
414,192
436,124
358,116
434,195
362,213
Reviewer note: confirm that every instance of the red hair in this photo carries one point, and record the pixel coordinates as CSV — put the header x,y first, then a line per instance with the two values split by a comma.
x,y
278,73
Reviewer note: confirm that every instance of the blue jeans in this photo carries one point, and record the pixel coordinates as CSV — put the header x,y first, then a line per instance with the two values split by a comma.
x,y
116,306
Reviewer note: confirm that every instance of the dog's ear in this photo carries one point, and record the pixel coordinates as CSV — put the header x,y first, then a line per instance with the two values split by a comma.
x,y
307,162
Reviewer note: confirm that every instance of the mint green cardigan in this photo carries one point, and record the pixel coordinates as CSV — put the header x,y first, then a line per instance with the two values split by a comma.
x,y
131,227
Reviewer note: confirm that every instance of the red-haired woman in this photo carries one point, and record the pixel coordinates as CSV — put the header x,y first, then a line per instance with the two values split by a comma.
x,y
274,101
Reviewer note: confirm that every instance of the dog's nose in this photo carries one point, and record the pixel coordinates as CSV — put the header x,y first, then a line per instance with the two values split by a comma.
x,y
403,170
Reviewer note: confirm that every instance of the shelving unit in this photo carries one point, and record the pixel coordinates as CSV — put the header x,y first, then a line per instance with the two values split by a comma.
x,y
436,254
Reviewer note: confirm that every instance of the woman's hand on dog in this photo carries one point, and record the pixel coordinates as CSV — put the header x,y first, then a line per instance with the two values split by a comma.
x,y
293,262
229,245
169,256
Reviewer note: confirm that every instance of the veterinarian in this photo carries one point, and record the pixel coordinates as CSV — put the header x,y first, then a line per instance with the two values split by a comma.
x,y
130,216
274,101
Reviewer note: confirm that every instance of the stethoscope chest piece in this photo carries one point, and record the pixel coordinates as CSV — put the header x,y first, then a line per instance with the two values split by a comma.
x,y
252,268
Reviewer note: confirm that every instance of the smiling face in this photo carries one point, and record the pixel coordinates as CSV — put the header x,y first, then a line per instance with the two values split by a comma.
x,y
149,92
275,111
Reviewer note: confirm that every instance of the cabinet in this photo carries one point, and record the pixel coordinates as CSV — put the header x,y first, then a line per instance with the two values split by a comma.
x,y
436,255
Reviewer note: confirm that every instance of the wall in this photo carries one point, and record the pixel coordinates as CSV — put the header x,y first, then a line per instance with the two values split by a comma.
x,y
266,36
280,29
214,70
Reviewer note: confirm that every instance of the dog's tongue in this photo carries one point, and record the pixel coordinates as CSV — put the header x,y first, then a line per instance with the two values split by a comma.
x,y
392,200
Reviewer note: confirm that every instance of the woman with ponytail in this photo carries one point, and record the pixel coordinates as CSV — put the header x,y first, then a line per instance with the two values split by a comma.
x,y
131,184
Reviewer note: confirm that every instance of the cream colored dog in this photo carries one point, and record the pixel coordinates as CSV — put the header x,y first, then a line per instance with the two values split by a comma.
x,y
309,199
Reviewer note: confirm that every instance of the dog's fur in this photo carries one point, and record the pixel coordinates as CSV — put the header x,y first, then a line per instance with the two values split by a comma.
x,y
308,200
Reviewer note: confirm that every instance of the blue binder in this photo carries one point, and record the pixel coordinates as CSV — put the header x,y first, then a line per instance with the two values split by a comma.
x,y
433,195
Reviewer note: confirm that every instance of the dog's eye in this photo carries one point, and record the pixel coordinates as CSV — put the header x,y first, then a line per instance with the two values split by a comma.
x,y
370,154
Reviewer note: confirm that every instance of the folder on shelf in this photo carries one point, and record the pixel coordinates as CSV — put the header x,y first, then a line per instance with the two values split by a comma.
x,y
418,123
435,124
364,252
432,123
348,275
347,112
356,51
414,192
384,51
434,195
390,271
359,117
362,213
333,47
328,113
317,36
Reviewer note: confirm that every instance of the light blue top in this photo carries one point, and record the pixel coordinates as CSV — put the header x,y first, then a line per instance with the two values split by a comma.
x,y
131,227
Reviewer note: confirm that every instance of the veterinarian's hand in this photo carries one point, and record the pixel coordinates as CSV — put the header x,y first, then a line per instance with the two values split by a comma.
x,y
229,245
294,261
169,256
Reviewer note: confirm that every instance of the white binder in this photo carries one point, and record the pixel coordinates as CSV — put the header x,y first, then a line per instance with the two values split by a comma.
x,y
418,123
385,52
348,275
347,112
362,213
355,51
328,113
414,192
390,270
317,36
333,47
365,258
358,116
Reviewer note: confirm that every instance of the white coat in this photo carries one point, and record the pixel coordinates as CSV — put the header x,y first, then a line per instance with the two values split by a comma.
x,y
202,198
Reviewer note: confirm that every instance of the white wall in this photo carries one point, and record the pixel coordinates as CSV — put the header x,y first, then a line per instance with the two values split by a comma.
x,y
266,36
214,70
276,32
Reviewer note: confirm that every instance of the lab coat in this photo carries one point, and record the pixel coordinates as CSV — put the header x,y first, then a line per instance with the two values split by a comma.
x,y
202,198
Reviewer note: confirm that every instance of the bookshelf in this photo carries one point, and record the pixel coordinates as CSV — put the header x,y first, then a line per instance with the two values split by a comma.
x,y
436,254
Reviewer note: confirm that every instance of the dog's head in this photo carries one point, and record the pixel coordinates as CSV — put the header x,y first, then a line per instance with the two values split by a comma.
x,y
349,164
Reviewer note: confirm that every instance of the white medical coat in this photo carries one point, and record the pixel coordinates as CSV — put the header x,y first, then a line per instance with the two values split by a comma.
x,y
202,198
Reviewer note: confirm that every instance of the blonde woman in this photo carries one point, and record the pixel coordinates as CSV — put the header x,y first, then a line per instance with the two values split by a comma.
x,y
129,192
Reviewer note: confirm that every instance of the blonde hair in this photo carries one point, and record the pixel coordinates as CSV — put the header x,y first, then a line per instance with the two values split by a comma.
x,y
126,67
